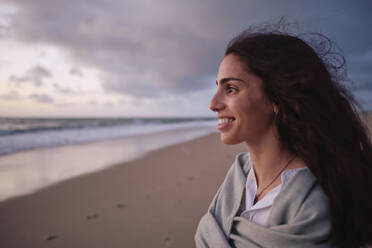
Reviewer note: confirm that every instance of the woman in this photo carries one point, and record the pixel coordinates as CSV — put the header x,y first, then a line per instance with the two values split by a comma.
x,y
306,179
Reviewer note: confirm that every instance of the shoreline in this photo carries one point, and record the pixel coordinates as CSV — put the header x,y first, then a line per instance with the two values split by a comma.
x,y
27,171
39,136
153,201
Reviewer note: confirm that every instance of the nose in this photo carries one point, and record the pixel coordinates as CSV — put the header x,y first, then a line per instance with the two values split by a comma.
x,y
216,103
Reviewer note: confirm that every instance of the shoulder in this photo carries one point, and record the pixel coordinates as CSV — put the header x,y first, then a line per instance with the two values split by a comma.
x,y
302,205
313,202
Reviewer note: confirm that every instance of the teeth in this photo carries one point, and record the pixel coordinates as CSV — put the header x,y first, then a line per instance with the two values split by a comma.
x,y
225,120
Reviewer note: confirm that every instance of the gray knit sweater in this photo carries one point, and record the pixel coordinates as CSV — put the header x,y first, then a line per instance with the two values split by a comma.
x,y
299,216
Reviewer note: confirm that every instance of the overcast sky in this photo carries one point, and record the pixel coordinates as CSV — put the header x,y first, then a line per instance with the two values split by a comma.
x,y
121,58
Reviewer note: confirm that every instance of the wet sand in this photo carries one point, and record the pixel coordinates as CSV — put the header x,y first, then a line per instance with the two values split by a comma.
x,y
154,201
28,171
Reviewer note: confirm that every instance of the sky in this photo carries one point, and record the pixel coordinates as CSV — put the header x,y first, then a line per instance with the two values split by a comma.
x,y
140,58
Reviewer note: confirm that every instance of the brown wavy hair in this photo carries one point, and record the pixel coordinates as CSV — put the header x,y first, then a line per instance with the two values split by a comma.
x,y
318,119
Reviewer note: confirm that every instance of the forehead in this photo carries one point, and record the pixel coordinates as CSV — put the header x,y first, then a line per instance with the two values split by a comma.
x,y
231,66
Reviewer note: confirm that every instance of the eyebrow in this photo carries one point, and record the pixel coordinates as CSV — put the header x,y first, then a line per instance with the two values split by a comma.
x,y
225,80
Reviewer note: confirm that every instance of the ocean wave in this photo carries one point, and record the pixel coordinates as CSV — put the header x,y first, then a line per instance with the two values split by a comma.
x,y
36,133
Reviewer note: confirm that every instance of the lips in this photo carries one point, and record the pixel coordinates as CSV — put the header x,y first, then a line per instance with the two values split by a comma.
x,y
225,122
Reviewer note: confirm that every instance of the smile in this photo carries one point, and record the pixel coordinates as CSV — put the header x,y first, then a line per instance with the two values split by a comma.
x,y
225,120
225,123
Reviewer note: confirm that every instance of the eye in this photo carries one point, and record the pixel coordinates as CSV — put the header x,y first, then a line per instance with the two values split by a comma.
x,y
231,89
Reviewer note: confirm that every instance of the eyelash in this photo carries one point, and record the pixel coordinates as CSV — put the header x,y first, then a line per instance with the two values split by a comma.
x,y
231,89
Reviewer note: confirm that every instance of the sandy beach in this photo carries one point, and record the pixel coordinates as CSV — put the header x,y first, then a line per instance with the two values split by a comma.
x,y
154,201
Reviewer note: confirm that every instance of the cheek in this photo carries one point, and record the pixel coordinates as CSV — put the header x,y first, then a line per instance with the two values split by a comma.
x,y
256,112
265,115
248,106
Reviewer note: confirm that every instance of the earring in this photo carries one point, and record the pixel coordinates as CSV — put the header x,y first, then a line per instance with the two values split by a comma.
x,y
275,109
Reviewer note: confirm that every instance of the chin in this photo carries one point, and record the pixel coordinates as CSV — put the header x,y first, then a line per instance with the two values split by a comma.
x,y
229,140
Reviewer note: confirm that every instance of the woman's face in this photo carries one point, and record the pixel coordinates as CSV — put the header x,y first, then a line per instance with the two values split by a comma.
x,y
244,111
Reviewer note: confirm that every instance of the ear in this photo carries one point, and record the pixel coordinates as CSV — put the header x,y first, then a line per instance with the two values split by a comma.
x,y
275,108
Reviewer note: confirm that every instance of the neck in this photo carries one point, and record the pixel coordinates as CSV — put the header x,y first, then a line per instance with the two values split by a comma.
x,y
268,157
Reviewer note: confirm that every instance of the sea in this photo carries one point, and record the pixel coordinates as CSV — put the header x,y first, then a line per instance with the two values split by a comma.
x,y
21,134
38,152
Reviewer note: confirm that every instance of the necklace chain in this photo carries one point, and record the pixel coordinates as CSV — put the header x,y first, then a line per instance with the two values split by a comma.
x,y
273,180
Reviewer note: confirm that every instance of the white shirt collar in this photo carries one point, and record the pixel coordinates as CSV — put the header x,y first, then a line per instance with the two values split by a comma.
x,y
267,200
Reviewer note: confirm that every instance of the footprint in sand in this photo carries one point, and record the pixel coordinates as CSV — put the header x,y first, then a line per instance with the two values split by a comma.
x,y
120,205
51,237
92,216
168,242
190,178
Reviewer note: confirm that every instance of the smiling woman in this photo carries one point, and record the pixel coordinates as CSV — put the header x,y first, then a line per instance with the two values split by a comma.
x,y
244,111
305,179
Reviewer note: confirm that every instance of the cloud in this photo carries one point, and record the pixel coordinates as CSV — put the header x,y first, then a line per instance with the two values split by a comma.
x,y
65,90
11,96
76,72
153,49
364,98
41,98
143,49
65,105
108,104
4,31
362,80
35,75
363,58
361,69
